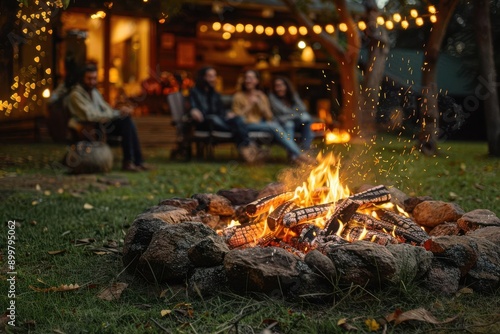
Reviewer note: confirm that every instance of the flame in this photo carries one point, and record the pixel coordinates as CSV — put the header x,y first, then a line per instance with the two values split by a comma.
x,y
337,136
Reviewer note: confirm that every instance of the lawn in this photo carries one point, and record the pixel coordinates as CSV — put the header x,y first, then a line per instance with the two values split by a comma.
x,y
70,229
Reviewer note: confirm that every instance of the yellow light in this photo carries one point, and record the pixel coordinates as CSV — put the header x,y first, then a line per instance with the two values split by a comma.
x,y
269,31
292,30
248,28
259,29
203,28
433,18
404,24
226,35
101,14
380,20
303,30
343,27
36,59
280,30
228,27
38,47
413,13
330,28
317,29
216,26
361,25
432,9
240,27
48,71
301,44
162,20
389,25
419,21
396,17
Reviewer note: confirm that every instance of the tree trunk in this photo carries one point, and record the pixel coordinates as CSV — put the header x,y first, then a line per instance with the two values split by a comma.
x,y
373,74
347,60
488,74
429,113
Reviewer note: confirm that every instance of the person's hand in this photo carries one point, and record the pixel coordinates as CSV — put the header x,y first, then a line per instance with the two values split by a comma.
x,y
126,110
196,115
254,99
230,115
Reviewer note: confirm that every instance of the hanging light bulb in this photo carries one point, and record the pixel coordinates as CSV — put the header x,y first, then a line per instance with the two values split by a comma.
x,y
361,25
396,17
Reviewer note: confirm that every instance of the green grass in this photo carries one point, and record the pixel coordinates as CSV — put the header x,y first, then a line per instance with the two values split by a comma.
x,y
51,216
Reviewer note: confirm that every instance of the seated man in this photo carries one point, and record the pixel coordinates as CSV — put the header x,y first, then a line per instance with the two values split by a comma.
x,y
86,104
206,106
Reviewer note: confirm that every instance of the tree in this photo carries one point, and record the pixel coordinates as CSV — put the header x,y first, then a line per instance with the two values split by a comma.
x,y
429,113
488,74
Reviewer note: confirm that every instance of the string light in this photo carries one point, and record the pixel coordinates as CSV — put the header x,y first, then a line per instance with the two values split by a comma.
x,y
380,20
396,17
414,13
303,30
343,27
280,30
389,25
330,28
361,25
432,9
419,21
405,24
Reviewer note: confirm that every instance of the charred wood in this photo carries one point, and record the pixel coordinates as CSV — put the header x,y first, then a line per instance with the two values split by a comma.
x,y
275,218
263,205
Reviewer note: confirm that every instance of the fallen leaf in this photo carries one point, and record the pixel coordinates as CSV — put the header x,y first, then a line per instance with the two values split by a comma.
x,y
84,241
33,222
163,293
46,192
452,195
58,331
165,312
34,203
101,253
113,292
60,288
65,233
38,188
464,291
479,186
60,190
393,316
56,252
372,325
88,206
421,314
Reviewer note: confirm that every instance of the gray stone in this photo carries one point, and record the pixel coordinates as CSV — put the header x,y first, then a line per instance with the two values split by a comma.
x,y
363,263
206,282
166,258
442,278
485,275
239,196
460,251
208,252
491,233
188,204
476,219
321,265
412,263
269,270
433,213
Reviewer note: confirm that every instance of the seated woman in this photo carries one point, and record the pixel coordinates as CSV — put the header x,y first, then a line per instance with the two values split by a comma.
x,y
253,105
290,111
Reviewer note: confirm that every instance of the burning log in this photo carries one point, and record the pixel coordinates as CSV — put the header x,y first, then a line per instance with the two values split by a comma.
x,y
275,218
342,214
352,232
241,235
378,194
263,205
415,232
299,216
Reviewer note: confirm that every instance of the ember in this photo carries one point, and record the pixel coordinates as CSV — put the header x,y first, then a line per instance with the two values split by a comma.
x,y
308,217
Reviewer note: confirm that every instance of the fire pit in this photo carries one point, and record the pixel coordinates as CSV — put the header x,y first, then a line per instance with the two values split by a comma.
x,y
305,241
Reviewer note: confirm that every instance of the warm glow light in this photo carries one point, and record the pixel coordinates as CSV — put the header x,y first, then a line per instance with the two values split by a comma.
x,y
396,17
380,20
330,28
343,27
337,136
46,93
317,29
389,25
413,13
228,27
303,30
432,9
301,44
203,28
419,21
433,18
280,30
248,28
162,20
292,30
240,27
259,29
269,31
226,35
216,26
361,25
404,24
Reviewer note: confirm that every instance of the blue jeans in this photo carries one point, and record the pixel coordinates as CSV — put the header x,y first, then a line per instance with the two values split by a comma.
x,y
300,125
236,125
125,127
279,135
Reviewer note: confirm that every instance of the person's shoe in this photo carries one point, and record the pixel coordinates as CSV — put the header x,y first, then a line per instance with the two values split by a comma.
x,y
144,167
129,167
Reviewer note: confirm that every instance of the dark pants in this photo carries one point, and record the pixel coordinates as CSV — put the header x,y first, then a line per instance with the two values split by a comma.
x,y
236,125
125,127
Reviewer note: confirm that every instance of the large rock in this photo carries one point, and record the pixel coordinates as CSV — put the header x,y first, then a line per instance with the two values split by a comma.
x,y
412,263
208,252
270,270
87,157
485,275
442,278
363,263
460,251
214,204
206,282
166,258
433,213
321,265
479,218
491,233
448,228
